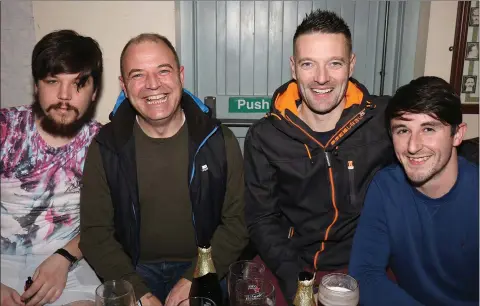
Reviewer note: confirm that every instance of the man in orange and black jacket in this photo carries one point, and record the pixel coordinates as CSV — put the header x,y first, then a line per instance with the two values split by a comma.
x,y
309,162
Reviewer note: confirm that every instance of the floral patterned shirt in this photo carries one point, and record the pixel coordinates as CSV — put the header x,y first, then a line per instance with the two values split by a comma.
x,y
40,185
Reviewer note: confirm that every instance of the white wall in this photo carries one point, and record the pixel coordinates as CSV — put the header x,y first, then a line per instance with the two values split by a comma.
x,y
112,24
441,31
18,39
438,59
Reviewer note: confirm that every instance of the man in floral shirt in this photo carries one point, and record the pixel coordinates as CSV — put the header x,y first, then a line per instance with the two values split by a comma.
x,y
43,149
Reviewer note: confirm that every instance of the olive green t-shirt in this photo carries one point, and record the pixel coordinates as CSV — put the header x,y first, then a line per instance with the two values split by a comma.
x,y
166,231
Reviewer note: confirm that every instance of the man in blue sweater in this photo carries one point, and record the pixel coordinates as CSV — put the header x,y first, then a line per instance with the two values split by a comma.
x,y
421,218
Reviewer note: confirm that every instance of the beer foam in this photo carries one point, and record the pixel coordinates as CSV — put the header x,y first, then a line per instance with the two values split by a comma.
x,y
338,289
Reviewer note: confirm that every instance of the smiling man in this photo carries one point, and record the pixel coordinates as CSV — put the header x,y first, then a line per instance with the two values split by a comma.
x,y
421,217
162,178
309,162
43,149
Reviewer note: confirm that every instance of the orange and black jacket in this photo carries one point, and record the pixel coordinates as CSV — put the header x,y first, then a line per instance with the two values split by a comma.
x,y
304,197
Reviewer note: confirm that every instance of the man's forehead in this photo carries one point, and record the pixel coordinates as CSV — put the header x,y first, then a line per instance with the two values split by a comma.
x,y
147,53
321,45
64,75
158,48
321,38
414,118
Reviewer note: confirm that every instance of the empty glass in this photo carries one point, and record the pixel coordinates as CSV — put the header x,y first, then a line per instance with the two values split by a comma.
x,y
254,291
115,293
337,289
197,301
242,270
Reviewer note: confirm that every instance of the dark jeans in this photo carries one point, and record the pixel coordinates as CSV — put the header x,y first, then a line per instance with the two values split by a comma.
x,y
161,276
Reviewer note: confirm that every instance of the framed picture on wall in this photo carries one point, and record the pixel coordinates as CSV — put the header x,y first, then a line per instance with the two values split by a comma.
x,y
473,20
465,59
469,84
471,53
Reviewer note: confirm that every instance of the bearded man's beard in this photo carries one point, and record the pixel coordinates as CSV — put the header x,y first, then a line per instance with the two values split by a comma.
x,y
60,129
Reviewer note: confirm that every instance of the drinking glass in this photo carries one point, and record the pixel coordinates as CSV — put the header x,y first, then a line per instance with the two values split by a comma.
x,y
337,289
254,291
115,293
242,270
197,301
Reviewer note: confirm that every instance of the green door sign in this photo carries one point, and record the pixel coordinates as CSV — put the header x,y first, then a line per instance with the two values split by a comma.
x,y
249,104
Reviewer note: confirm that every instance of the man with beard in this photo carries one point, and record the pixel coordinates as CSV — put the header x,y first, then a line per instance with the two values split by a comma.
x,y
43,149
421,217
162,178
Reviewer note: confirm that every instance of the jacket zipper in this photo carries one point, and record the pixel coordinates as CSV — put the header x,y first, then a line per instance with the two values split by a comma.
x,y
192,174
332,190
351,179
136,238
335,208
332,185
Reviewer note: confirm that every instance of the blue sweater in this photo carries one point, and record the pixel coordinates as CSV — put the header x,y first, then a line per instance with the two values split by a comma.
x,y
431,245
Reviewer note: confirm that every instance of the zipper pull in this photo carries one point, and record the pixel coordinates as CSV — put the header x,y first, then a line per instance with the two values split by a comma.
x,y
327,158
308,153
291,231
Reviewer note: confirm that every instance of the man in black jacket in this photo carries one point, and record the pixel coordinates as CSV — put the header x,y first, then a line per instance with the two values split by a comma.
x,y
160,179
308,163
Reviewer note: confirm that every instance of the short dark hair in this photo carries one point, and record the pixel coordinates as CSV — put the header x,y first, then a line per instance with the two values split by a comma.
x,y
327,22
426,95
65,51
152,37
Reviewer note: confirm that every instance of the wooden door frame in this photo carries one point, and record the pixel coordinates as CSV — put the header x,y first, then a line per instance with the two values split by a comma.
x,y
458,60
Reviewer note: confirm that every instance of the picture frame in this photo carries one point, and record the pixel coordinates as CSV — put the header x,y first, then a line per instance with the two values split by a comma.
x,y
469,84
464,69
473,17
471,51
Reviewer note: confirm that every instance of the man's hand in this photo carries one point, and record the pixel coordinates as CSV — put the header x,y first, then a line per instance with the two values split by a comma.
x,y
49,280
179,292
150,300
10,297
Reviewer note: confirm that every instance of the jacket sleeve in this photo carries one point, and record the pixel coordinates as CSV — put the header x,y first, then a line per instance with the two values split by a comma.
x,y
231,237
370,254
97,242
263,216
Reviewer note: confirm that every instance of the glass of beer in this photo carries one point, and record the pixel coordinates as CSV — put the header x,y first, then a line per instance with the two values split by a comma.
x,y
337,289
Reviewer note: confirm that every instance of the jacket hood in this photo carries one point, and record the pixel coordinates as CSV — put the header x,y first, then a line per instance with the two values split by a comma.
x,y
284,113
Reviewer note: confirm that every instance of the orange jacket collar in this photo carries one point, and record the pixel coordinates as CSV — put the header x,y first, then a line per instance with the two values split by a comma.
x,y
288,98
